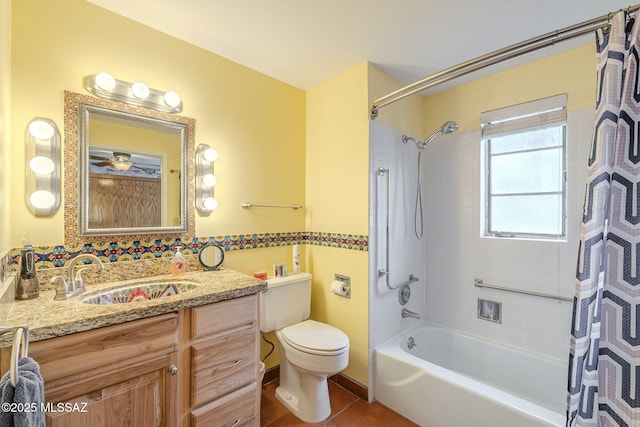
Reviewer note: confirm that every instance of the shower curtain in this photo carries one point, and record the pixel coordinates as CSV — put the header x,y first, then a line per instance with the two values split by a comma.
x,y
604,359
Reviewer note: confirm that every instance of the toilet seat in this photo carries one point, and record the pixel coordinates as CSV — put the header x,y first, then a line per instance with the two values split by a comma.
x,y
316,338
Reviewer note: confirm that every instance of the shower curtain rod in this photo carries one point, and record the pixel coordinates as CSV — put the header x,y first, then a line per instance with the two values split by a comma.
x,y
500,55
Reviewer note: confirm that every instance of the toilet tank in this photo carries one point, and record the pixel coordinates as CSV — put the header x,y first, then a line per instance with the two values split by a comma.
x,y
286,301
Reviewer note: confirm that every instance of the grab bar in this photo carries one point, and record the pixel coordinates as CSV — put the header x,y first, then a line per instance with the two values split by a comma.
x,y
385,271
480,284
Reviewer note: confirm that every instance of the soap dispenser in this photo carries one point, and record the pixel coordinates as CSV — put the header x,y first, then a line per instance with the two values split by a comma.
x,y
28,283
178,262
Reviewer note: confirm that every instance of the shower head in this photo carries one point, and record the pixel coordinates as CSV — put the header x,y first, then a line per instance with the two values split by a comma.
x,y
447,128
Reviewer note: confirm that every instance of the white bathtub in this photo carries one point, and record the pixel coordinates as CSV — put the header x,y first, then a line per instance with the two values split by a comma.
x,y
451,380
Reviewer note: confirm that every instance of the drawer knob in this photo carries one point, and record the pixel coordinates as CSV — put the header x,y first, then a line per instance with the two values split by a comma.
x,y
173,369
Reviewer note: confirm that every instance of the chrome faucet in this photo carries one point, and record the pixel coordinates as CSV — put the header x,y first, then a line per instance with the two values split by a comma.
x,y
409,313
76,282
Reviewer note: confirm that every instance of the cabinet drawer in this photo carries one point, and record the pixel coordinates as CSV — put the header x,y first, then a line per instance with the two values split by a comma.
x,y
84,351
222,365
236,409
215,318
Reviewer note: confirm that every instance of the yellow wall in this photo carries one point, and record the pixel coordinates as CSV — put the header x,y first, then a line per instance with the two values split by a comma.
x,y
405,115
572,72
338,201
256,123
5,96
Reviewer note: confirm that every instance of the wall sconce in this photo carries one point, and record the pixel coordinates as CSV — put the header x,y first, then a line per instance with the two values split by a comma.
x,y
205,180
106,86
42,141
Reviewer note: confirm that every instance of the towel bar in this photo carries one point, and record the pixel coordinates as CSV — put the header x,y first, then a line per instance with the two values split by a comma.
x,y
265,205
20,341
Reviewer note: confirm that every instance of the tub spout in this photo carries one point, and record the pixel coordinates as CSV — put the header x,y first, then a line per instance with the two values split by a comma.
x,y
409,313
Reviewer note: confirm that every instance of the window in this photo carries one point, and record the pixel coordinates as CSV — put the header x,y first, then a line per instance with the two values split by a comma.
x,y
525,169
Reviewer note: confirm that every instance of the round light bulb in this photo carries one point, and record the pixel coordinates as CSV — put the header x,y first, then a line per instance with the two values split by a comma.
x,y
40,129
210,203
41,165
140,90
172,99
105,81
42,199
210,155
209,180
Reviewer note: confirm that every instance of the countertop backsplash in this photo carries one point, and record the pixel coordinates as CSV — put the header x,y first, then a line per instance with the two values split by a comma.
x,y
116,271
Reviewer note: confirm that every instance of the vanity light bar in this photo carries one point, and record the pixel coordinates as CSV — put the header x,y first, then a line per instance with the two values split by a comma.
x,y
42,158
106,86
205,180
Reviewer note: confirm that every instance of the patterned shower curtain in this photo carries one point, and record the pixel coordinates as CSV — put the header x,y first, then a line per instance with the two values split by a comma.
x,y
604,360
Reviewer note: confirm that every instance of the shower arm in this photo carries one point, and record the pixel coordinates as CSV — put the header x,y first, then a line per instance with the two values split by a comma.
x,y
384,272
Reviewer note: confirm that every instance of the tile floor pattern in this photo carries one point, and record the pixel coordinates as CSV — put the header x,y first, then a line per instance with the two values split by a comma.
x,y
347,410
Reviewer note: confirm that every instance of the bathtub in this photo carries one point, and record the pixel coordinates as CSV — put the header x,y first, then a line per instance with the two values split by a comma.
x,y
450,380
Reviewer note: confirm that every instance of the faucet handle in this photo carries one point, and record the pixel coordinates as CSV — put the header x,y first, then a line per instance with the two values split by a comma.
x,y
62,289
78,279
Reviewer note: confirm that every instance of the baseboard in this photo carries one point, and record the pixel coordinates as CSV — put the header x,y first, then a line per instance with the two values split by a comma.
x,y
341,379
352,385
271,374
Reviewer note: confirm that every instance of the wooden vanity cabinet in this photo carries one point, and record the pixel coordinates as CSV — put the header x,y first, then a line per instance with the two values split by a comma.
x,y
117,375
223,350
197,367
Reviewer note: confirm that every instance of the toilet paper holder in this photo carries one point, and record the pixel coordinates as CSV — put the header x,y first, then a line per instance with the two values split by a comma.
x,y
341,286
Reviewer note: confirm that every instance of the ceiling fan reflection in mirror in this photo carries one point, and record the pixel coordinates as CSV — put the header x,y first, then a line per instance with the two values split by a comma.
x,y
122,163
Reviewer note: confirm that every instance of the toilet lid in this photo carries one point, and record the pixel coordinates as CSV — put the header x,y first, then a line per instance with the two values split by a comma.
x,y
315,337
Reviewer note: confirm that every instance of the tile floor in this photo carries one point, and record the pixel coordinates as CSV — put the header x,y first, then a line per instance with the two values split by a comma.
x,y
347,410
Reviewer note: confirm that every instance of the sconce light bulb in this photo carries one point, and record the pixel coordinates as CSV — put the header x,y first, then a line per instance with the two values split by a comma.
x,y
210,155
42,199
210,203
172,99
41,165
40,129
105,81
140,90
209,180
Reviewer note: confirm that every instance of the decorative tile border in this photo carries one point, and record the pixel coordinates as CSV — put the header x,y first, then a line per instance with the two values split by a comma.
x,y
131,250
337,240
4,264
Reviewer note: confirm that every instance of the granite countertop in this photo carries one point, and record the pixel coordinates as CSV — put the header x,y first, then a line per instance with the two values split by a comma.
x,y
47,318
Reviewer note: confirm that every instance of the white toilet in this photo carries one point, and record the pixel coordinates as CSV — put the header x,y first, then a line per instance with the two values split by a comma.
x,y
310,351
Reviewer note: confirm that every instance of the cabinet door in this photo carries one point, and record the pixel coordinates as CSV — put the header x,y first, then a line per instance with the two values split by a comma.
x,y
143,394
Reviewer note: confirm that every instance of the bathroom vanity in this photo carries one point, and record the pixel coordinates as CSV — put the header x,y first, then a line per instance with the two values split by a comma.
x,y
191,359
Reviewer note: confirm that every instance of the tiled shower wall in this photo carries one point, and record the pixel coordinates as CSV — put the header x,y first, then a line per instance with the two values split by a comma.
x,y
452,253
406,251
456,254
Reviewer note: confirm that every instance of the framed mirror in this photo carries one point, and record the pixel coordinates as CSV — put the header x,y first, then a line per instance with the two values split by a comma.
x,y
211,256
127,171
